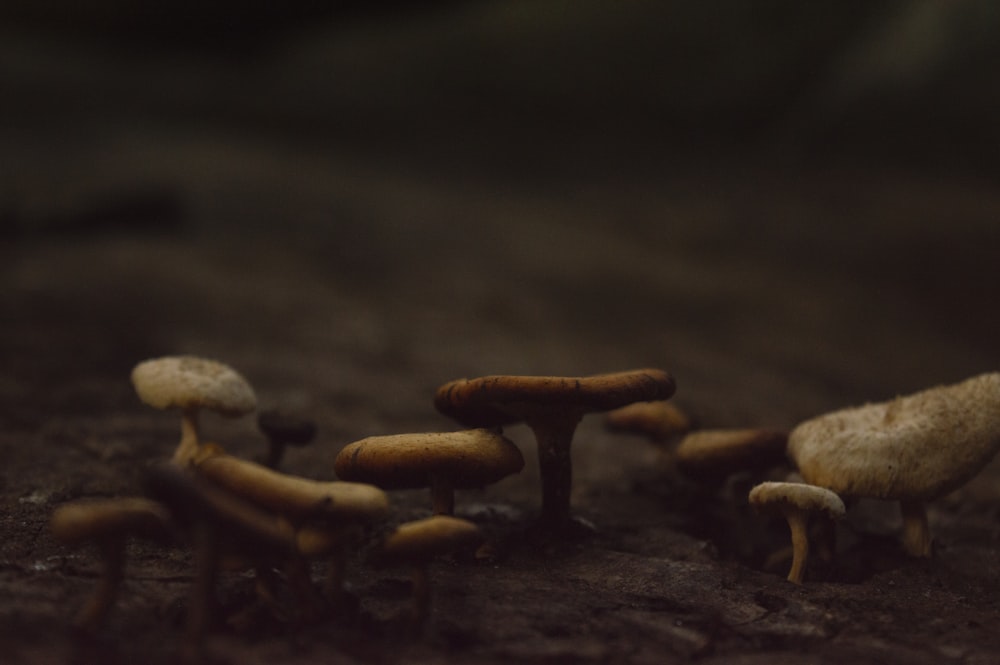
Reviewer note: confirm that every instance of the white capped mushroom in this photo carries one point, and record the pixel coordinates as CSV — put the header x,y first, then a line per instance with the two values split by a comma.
x,y
797,502
190,383
912,449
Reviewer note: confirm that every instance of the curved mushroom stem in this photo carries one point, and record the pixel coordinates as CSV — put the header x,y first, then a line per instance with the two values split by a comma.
x,y
554,437
93,614
187,449
798,523
916,532
442,496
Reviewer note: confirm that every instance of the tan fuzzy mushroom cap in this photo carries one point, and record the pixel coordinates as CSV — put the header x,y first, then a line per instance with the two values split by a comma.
x,y
466,459
775,497
430,537
190,382
913,448
499,400
722,451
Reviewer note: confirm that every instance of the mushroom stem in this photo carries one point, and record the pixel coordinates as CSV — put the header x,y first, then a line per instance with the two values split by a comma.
x,y
421,590
275,453
554,438
916,532
798,523
202,603
93,614
442,496
187,449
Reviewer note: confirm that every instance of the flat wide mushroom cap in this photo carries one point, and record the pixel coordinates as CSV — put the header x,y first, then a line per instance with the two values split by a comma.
x,y
491,401
467,459
286,427
424,539
913,448
722,451
775,497
187,382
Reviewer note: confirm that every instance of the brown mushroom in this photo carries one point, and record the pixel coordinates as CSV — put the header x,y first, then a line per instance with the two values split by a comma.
x,y
283,428
416,543
552,407
190,384
658,421
443,461
109,523
796,502
716,453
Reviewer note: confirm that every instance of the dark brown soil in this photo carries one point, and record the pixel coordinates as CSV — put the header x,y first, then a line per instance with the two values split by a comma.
x,y
349,283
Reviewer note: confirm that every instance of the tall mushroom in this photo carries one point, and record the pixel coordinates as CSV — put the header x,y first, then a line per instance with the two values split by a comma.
x,y
442,461
552,407
190,384
797,502
911,449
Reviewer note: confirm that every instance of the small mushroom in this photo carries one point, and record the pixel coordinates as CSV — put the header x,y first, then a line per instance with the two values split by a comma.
x,y
658,421
796,502
912,449
109,523
416,543
716,453
283,428
190,384
443,461
552,407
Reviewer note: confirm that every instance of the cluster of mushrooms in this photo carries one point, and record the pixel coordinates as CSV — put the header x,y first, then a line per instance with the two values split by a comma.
x,y
235,513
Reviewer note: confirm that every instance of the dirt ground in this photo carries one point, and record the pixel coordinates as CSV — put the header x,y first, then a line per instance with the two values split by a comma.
x,y
348,281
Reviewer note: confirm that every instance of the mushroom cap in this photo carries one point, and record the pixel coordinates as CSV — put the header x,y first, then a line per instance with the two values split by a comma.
x,y
912,448
286,427
465,459
491,401
714,452
187,382
293,496
72,523
772,497
424,539
243,528
657,420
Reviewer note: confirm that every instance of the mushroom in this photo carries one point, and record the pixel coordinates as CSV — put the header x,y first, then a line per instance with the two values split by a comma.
x,y
190,383
416,543
222,524
796,502
911,449
108,522
552,407
283,428
443,461
715,453
338,506
658,421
